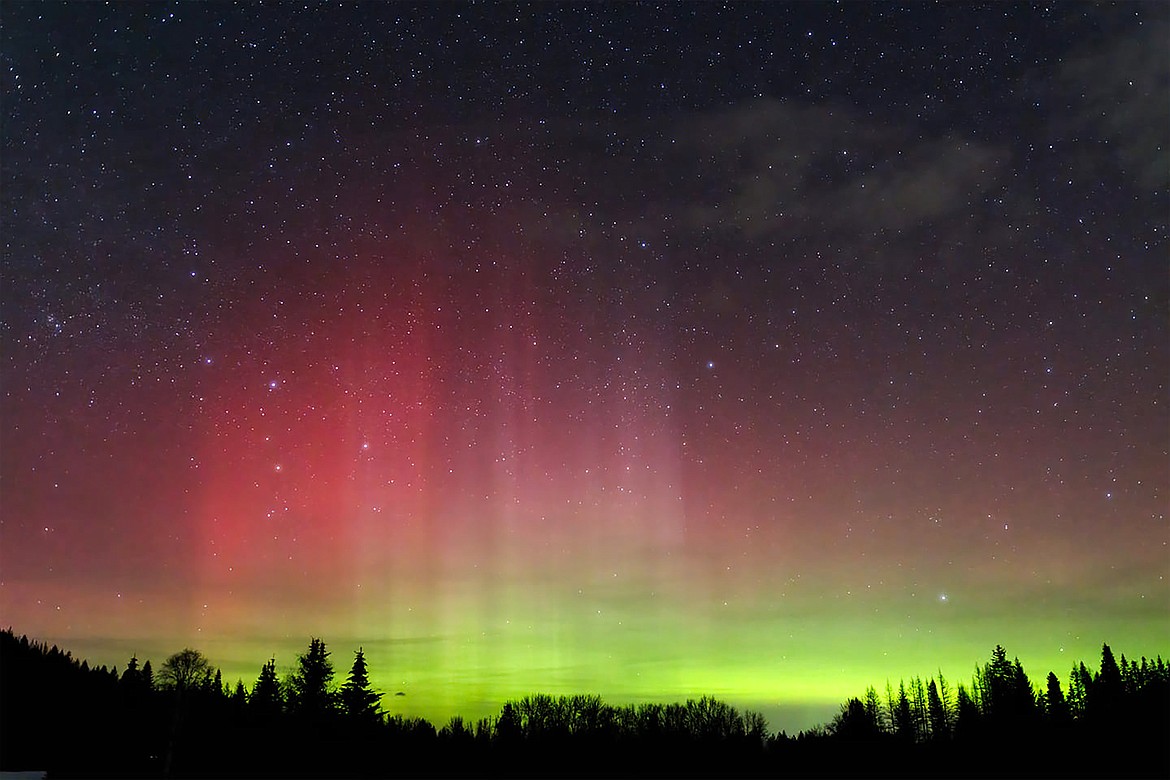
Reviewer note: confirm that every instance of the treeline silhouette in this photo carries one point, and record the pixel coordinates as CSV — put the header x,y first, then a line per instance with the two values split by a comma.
x,y
61,715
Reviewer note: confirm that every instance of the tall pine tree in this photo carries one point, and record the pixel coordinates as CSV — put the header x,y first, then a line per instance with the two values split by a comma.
x,y
1105,694
313,696
267,700
940,726
358,700
1055,704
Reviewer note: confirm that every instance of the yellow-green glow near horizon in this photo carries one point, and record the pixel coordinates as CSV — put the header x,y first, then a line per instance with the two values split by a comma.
x,y
796,661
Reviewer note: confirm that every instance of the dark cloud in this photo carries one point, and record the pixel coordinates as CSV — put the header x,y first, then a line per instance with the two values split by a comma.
x,y
771,169
764,170
1115,94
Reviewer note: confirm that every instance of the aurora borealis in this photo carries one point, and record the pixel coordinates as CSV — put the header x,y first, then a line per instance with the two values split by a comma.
x,y
765,351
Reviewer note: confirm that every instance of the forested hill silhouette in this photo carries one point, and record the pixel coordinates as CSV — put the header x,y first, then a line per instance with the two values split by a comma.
x,y
59,714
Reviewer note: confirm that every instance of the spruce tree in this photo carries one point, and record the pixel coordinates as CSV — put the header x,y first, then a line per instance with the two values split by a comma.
x,y
904,725
1054,702
132,677
313,694
1104,696
920,709
266,701
873,709
968,718
358,699
940,727
1110,674
1078,685
854,723
239,697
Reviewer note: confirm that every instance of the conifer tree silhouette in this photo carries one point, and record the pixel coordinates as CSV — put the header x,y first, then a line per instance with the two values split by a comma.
x,y
903,719
313,697
239,697
968,718
198,735
266,701
132,673
358,699
1079,682
1105,694
874,711
940,727
919,709
854,722
1055,705
135,683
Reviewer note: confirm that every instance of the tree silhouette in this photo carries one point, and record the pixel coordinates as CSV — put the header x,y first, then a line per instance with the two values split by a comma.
x,y
1055,705
1079,682
873,709
1006,698
266,701
855,723
508,726
198,731
239,697
1106,691
312,693
994,683
919,709
184,671
756,728
940,726
968,718
903,715
1110,674
358,700
135,682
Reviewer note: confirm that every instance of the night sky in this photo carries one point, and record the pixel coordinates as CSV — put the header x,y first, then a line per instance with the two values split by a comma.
x,y
758,350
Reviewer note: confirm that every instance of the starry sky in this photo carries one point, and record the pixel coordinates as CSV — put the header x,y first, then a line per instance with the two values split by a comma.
x,y
763,350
